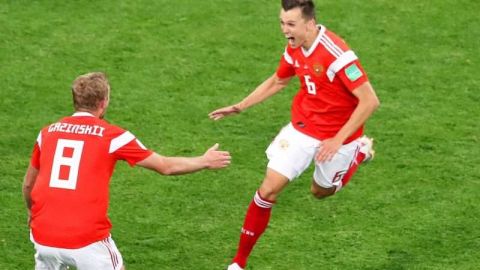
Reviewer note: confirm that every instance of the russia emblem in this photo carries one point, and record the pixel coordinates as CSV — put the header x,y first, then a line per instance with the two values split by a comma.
x,y
317,69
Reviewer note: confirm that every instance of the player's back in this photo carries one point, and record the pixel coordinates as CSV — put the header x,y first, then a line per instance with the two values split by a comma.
x,y
70,198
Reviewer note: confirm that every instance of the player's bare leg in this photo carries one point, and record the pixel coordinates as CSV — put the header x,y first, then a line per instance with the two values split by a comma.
x,y
272,185
365,154
258,216
321,192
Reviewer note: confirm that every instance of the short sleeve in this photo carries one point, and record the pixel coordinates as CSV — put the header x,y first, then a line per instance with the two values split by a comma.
x,y
352,75
35,159
127,147
285,67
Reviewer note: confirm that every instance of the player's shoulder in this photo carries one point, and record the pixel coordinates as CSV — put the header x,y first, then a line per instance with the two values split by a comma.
x,y
332,43
112,130
336,39
52,124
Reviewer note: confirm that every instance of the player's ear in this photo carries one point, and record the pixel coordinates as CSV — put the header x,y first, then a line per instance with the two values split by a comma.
x,y
103,104
312,24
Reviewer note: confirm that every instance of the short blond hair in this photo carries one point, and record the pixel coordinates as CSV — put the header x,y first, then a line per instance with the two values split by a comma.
x,y
89,90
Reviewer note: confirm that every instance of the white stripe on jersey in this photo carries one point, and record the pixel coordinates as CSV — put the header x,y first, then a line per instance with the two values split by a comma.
x,y
341,62
120,141
287,57
39,140
330,46
141,144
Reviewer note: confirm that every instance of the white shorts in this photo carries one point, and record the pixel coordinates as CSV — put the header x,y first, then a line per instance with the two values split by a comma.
x,y
291,152
101,255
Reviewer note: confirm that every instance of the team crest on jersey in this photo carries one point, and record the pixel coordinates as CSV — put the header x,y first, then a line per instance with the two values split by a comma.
x,y
317,69
284,144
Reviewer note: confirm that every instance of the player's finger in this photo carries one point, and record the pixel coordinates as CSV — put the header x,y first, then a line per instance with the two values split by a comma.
x,y
217,116
321,156
214,147
216,112
213,115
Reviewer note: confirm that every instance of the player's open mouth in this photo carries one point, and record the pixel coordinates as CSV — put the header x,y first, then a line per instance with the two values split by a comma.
x,y
291,39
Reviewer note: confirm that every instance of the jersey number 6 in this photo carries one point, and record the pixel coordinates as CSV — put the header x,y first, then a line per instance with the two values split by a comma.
x,y
72,162
310,85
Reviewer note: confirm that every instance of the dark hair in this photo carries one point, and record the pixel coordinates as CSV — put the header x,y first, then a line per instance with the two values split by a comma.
x,y
306,6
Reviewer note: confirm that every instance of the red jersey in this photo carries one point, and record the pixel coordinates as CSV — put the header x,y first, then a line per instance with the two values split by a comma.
x,y
329,71
76,157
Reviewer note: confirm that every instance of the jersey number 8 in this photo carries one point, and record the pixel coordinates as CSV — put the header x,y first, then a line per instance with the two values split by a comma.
x,y
72,162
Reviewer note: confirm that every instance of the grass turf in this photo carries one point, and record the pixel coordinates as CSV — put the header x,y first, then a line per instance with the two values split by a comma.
x,y
170,63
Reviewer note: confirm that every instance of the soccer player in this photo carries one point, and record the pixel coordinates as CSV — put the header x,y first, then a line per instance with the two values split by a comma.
x,y
328,113
66,186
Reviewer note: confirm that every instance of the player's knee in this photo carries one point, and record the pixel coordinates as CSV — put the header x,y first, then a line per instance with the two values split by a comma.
x,y
268,193
321,193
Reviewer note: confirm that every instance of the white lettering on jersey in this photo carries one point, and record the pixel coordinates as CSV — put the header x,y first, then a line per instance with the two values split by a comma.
x,y
311,89
77,129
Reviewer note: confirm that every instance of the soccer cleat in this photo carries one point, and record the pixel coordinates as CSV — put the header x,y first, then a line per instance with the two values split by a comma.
x,y
234,266
366,147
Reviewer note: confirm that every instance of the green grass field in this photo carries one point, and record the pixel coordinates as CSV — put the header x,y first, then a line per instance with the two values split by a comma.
x,y
417,206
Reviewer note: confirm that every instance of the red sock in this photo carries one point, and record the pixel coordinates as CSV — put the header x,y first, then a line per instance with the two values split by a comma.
x,y
256,221
353,168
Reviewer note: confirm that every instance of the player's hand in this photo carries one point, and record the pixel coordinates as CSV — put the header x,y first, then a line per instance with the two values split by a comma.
x,y
216,159
328,149
225,111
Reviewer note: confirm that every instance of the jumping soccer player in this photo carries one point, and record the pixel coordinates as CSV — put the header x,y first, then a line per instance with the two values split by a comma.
x,y
327,117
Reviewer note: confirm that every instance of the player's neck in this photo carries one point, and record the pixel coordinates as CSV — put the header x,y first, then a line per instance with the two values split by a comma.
x,y
311,37
95,113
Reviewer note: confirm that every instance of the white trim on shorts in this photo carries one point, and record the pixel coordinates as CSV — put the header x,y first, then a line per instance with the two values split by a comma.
x,y
292,152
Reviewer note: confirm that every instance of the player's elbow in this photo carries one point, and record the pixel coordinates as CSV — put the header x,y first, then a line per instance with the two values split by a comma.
x,y
372,102
26,188
375,103
164,170
157,163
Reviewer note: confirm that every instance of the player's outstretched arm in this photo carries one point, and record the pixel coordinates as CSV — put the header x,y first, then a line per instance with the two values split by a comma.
x,y
211,159
268,88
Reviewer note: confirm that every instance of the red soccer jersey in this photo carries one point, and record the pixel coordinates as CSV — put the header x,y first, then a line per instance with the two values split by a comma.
x,y
329,71
76,157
